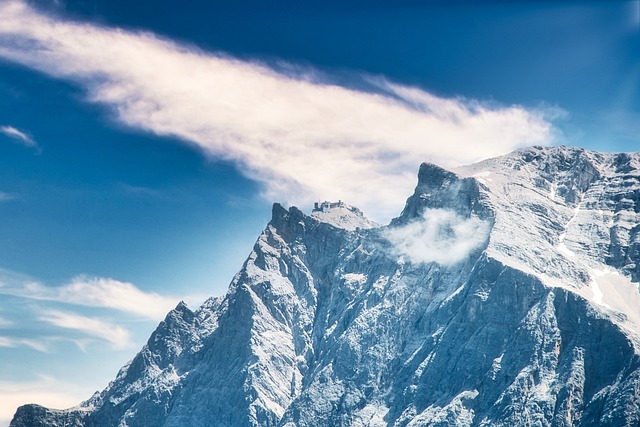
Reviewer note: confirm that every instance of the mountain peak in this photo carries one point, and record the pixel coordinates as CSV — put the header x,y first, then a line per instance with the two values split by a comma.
x,y
410,325
439,188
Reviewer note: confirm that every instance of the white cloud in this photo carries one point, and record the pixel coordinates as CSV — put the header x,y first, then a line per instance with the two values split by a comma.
x,y
93,292
88,292
99,292
18,135
117,336
10,342
107,294
5,323
304,139
441,236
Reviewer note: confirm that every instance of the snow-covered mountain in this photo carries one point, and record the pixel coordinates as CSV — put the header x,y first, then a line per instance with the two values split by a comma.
x,y
341,215
506,293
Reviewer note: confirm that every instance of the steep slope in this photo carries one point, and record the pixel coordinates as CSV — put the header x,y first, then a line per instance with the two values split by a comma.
x,y
565,213
504,294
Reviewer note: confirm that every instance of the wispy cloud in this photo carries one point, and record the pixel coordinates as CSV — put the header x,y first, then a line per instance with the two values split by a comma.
x,y
101,292
137,190
117,336
48,318
18,135
5,323
42,303
11,342
441,236
302,137
6,196
95,292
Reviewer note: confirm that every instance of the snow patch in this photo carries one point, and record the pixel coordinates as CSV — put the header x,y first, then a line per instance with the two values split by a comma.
x,y
597,293
614,291
483,294
342,216
355,278
456,292
496,366
371,415
482,177
561,247
453,414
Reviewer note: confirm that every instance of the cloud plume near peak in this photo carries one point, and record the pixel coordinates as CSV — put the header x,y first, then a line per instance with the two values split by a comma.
x,y
301,138
441,236
17,135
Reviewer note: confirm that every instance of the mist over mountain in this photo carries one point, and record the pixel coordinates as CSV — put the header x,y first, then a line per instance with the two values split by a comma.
x,y
505,293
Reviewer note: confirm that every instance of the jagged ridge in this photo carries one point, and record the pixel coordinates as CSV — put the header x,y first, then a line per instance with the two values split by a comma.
x,y
324,326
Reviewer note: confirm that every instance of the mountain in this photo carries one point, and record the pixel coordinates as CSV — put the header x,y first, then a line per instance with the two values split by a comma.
x,y
506,293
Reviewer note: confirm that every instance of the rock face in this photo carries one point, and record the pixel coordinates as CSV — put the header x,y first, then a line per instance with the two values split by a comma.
x,y
504,294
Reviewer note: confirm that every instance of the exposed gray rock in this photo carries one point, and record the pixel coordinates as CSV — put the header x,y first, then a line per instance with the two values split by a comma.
x,y
537,322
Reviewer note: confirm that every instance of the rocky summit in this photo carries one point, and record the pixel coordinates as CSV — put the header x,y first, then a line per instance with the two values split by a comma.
x,y
505,294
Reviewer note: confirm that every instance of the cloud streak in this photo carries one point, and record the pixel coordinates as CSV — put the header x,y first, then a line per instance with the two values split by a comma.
x,y
18,135
10,342
116,335
5,323
301,137
110,295
99,292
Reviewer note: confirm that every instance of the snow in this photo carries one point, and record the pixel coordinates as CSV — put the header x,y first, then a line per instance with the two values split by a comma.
x,y
346,217
327,327
483,177
371,415
454,294
562,248
560,210
355,278
496,366
455,413
616,292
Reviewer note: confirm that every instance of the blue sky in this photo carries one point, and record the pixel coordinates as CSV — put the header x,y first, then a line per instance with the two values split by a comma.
x,y
142,143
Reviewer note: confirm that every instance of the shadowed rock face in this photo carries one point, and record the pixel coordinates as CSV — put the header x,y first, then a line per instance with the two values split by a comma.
x,y
325,326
